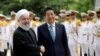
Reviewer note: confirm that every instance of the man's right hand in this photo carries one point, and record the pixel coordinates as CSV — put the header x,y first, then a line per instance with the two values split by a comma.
x,y
42,49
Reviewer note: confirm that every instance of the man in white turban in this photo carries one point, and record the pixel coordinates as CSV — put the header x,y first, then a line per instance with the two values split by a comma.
x,y
22,24
24,38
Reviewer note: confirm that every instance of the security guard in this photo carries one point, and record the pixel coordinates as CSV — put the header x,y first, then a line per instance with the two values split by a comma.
x,y
83,34
2,40
62,15
37,23
91,23
97,35
74,33
91,15
11,28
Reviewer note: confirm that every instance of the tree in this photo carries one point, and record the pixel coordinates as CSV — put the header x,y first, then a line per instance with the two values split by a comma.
x,y
37,6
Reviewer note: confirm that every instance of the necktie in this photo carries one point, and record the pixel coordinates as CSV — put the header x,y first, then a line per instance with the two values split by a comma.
x,y
52,32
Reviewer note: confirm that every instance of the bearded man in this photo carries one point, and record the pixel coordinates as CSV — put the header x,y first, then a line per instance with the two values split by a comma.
x,y
24,38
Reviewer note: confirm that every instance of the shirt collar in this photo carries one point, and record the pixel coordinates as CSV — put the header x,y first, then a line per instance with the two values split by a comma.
x,y
50,25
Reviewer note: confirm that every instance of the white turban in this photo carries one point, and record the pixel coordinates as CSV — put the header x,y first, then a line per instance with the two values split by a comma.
x,y
21,12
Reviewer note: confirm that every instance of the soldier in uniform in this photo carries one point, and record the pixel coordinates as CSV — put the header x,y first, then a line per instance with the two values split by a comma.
x,y
37,24
91,23
11,28
5,34
32,15
2,40
97,35
62,15
57,19
5,24
71,40
67,17
91,15
83,34
67,22
74,33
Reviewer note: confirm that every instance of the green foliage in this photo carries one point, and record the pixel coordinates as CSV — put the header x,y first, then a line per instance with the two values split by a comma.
x,y
37,6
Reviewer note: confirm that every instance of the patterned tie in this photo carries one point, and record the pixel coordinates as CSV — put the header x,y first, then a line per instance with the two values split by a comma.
x,y
52,32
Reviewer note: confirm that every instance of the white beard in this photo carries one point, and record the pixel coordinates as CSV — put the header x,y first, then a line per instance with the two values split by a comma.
x,y
25,27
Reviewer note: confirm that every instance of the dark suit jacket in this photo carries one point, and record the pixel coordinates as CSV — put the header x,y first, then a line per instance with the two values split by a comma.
x,y
59,47
25,43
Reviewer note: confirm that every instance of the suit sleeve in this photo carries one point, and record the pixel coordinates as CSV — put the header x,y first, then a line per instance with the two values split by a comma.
x,y
20,42
65,43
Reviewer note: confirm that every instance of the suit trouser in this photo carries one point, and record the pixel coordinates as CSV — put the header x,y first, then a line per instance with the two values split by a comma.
x,y
11,52
91,50
1,53
5,52
84,49
72,49
97,51
96,46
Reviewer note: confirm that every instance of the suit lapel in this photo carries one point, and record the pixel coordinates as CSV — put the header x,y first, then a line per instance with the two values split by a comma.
x,y
56,31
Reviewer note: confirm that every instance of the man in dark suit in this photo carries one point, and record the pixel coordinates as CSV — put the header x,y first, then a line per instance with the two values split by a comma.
x,y
24,38
53,36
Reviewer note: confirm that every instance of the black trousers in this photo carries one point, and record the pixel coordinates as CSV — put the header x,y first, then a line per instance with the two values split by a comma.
x,y
85,54
1,53
5,52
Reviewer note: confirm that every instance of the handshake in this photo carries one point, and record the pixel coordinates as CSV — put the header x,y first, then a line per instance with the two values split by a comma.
x,y
42,49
